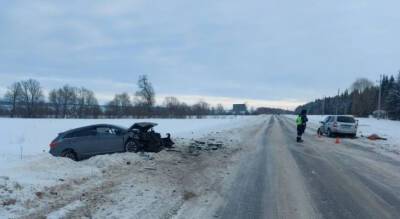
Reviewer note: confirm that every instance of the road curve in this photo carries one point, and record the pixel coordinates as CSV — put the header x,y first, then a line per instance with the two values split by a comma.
x,y
315,179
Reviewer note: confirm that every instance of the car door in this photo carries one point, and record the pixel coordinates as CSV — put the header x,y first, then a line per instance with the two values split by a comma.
x,y
82,141
329,124
108,140
325,124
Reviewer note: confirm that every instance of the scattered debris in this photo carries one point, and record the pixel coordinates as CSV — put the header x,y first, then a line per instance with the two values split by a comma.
x,y
174,150
17,186
5,178
146,156
39,195
195,146
188,195
8,202
199,142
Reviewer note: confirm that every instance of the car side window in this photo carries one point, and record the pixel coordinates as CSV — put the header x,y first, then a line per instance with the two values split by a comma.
x,y
86,132
81,133
116,131
106,131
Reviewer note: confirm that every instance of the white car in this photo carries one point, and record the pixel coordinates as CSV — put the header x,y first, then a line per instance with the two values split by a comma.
x,y
339,124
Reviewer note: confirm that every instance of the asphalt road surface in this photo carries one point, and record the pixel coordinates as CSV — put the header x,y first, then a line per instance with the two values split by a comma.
x,y
314,179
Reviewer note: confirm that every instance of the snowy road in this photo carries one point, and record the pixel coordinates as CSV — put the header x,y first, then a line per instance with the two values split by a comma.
x,y
316,179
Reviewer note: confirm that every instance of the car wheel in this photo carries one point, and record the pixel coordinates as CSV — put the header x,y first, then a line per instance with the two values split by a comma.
x,y
319,132
329,133
69,154
131,146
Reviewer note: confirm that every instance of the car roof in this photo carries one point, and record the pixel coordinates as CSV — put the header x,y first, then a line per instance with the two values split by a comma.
x,y
89,127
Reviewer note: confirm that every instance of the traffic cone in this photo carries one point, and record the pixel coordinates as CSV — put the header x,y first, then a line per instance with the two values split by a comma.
x,y
337,140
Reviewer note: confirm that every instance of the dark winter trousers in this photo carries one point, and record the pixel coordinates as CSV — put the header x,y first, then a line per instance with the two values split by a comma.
x,y
300,131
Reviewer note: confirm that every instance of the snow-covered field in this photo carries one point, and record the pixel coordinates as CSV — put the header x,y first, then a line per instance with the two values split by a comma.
x,y
32,136
36,175
385,128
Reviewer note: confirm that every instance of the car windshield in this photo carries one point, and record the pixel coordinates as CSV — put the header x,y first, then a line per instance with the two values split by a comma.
x,y
346,119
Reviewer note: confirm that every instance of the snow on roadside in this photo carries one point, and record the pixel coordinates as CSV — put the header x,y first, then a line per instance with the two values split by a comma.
x,y
26,179
385,128
65,211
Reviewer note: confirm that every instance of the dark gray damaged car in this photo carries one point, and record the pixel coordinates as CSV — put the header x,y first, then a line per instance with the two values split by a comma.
x,y
88,141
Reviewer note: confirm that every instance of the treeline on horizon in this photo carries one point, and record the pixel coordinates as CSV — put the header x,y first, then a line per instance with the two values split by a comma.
x,y
361,99
26,99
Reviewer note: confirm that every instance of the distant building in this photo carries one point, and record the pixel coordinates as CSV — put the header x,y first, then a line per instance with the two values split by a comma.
x,y
239,109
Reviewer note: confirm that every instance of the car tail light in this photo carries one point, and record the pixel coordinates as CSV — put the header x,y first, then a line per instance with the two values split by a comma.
x,y
53,144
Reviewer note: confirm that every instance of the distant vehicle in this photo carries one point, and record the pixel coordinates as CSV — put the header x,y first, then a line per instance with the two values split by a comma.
x,y
85,142
334,125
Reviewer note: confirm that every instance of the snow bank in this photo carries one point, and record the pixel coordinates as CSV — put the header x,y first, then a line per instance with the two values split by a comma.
x,y
63,212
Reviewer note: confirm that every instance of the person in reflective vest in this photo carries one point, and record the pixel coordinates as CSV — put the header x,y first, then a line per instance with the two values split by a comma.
x,y
301,122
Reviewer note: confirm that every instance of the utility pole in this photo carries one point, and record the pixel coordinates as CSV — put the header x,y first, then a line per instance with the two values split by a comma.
x,y
380,97
337,101
380,93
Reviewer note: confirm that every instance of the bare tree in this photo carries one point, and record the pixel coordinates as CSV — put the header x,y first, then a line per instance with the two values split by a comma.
x,y
68,96
120,106
361,84
220,109
74,102
56,101
14,95
172,106
145,96
86,104
171,102
201,109
32,95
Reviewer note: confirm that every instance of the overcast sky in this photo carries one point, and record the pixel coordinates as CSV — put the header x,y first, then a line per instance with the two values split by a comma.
x,y
278,53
